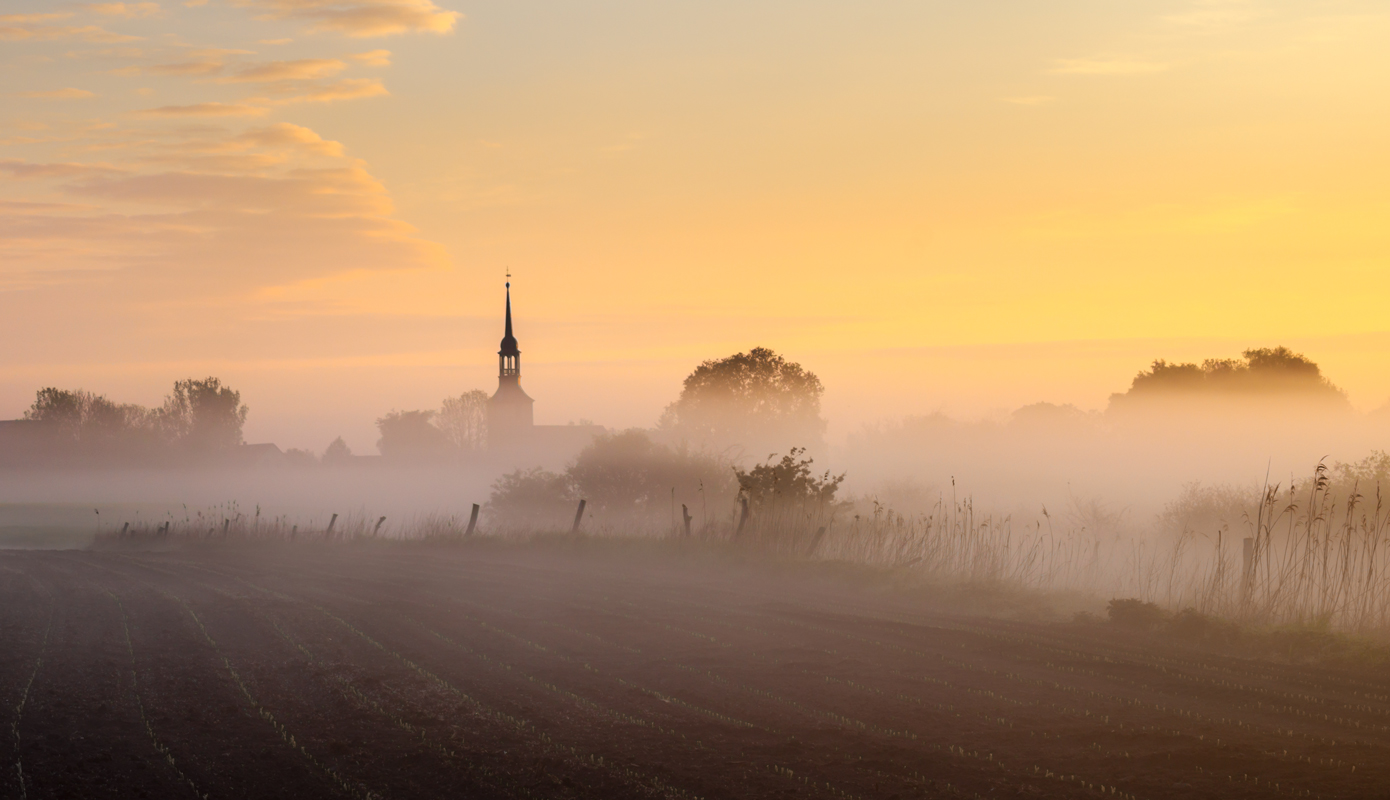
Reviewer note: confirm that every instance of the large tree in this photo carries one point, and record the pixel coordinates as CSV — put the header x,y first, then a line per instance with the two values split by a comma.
x,y
203,415
755,400
91,420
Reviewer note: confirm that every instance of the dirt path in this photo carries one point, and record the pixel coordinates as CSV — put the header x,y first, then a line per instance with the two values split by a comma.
x,y
476,672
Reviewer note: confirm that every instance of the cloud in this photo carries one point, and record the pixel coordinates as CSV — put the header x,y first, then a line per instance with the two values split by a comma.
x,y
28,170
269,206
58,94
1107,66
287,134
180,68
1031,100
30,19
346,89
299,70
360,18
127,10
204,110
275,41
373,58
38,28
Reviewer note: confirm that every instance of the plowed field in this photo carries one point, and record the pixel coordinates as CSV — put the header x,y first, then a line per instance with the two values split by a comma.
x,y
410,672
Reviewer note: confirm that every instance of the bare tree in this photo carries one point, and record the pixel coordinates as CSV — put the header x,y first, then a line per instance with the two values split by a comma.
x,y
463,420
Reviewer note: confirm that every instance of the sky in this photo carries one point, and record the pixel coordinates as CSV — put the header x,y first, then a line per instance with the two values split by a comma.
x,y
935,206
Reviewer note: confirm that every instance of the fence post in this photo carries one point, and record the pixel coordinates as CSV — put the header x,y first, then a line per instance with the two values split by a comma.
x,y
378,526
329,533
815,542
579,515
685,515
472,521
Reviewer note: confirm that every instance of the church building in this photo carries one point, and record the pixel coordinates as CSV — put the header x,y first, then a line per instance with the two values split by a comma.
x,y
510,412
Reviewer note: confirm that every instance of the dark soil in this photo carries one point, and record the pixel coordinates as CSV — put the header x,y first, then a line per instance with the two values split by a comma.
x,y
395,672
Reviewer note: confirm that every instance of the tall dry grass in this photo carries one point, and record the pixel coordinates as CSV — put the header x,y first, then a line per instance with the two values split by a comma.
x,y
1312,554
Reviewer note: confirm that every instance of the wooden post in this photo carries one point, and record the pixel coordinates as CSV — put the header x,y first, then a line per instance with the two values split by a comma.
x,y
328,533
579,515
472,521
124,528
685,515
742,517
378,526
815,542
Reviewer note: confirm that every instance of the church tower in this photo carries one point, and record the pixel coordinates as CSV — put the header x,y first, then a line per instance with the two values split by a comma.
x,y
509,413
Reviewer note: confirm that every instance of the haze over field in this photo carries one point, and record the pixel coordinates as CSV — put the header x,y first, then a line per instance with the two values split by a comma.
x,y
934,206
631,400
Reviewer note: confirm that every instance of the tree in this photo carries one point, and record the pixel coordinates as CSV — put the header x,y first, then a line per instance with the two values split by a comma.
x,y
756,399
534,499
92,422
337,452
203,415
630,476
410,436
463,420
1262,373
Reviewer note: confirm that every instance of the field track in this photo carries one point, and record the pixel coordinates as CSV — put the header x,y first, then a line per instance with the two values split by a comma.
x,y
411,672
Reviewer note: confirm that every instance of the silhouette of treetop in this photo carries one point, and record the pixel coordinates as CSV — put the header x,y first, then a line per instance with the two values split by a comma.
x,y
745,398
1267,372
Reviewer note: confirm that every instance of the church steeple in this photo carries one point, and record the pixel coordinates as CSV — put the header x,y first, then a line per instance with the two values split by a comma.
x,y
510,418
510,356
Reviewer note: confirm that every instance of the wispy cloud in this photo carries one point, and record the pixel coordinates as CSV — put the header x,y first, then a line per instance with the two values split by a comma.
x,y
42,28
208,213
1031,100
360,18
299,70
19,168
126,10
58,94
346,89
373,58
1107,66
204,110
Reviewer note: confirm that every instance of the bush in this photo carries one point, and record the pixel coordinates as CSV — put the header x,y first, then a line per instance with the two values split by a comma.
x,y
1134,613
627,477
1193,625
533,499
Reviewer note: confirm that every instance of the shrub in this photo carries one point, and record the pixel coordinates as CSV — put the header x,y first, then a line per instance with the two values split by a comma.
x,y
1134,613
534,499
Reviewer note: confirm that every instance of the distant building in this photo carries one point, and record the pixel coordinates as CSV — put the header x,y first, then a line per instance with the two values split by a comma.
x,y
511,425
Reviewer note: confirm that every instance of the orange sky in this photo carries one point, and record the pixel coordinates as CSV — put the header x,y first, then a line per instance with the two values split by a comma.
x,y
936,206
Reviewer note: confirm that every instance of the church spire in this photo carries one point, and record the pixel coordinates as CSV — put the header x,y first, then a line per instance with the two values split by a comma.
x,y
509,417
508,340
